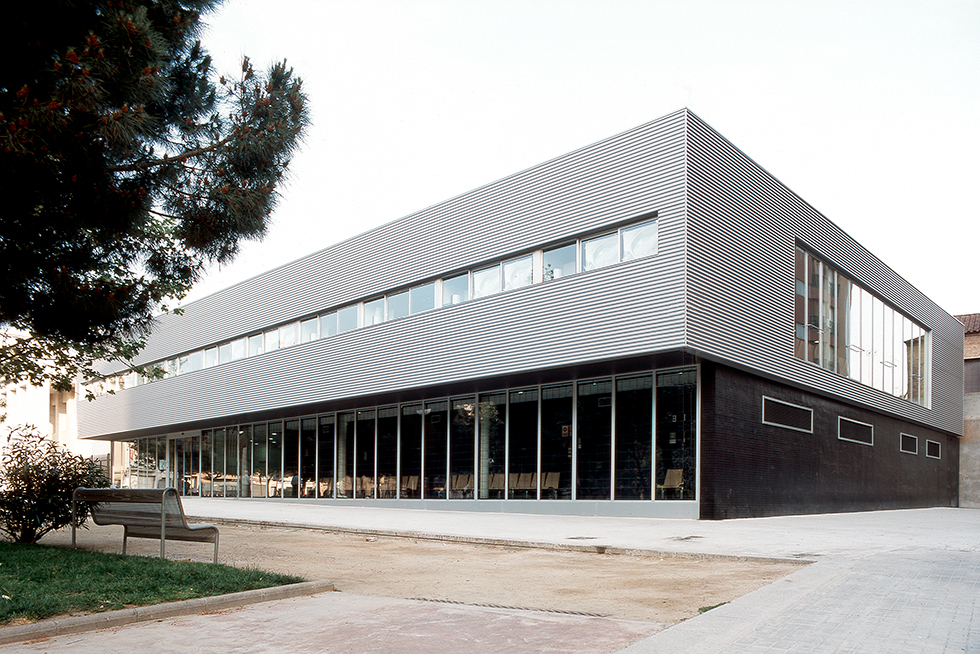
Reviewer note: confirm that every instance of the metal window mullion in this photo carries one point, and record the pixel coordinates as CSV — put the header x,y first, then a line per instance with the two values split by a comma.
x,y
507,443
653,439
537,476
574,479
612,437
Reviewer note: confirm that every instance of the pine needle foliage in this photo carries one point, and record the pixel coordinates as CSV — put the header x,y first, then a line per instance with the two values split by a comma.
x,y
127,165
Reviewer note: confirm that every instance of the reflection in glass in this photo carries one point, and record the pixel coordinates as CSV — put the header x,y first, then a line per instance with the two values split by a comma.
x,y
210,357
274,482
374,312
411,451
364,466
244,463
518,272
254,345
325,457
522,425
813,310
559,262
800,308
434,443
307,457
224,353
486,281
290,459
207,442
600,251
461,439
388,452
347,319
345,455
289,334
259,480
456,289
190,362
594,440
828,311
309,330
556,442
328,324
423,298
398,305
676,434
272,340
639,240
492,420
218,463
634,437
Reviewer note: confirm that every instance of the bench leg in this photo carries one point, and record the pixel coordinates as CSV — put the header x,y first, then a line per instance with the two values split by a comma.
x,y
216,548
125,537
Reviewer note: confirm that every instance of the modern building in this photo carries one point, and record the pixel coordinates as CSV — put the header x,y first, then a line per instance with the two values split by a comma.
x,y
651,325
970,445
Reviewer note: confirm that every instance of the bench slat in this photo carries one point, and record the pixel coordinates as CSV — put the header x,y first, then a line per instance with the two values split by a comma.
x,y
143,513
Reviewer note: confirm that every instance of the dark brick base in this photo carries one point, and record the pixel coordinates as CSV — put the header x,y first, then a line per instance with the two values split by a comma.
x,y
750,469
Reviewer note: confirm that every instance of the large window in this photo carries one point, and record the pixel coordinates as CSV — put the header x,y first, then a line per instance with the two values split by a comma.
x,y
630,437
844,328
629,242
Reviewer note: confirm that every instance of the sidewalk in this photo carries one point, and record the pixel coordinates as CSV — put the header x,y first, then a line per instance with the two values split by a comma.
x,y
892,581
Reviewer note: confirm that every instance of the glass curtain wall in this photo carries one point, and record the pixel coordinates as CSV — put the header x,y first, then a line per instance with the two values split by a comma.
x,y
290,459
307,457
207,454
388,452
556,442
632,437
364,465
325,456
462,438
435,450
244,464
522,430
345,454
492,443
854,333
274,463
259,482
411,451
594,440
676,434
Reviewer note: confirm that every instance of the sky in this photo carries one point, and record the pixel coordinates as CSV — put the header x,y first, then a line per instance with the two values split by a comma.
x,y
869,111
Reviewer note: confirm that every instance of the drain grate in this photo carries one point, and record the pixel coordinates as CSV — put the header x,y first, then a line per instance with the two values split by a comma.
x,y
511,608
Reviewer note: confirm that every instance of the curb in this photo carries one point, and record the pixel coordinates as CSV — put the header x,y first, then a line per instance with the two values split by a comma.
x,y
112,619
502,542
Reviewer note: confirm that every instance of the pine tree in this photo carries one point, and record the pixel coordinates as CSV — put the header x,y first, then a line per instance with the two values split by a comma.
x,y
126,167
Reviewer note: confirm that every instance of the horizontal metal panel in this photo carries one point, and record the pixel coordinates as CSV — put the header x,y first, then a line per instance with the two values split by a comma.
x,y
620,177
743,228
626,310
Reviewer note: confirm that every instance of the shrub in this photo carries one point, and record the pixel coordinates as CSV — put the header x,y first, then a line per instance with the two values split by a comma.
x,y
37,478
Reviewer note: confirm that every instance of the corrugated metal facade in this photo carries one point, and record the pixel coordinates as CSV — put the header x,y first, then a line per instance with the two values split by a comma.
x,y
732,304
621,311
743,226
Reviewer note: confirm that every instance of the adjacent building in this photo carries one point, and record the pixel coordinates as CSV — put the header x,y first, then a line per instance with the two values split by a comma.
x,y
650,325
970,445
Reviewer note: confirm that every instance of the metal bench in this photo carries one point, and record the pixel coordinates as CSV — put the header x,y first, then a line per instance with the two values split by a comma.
x,y
143,513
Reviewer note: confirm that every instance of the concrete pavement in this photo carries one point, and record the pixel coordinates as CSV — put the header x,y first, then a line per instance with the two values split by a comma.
x,y
891,581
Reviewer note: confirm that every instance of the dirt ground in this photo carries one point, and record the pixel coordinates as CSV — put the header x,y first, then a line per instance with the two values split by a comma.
x,y
628,587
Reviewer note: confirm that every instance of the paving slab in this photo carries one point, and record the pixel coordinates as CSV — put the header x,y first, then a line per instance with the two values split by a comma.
x,y
343,622
888,581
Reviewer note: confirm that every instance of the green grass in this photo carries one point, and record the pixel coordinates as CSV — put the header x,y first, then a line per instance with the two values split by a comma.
x,y
38,582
